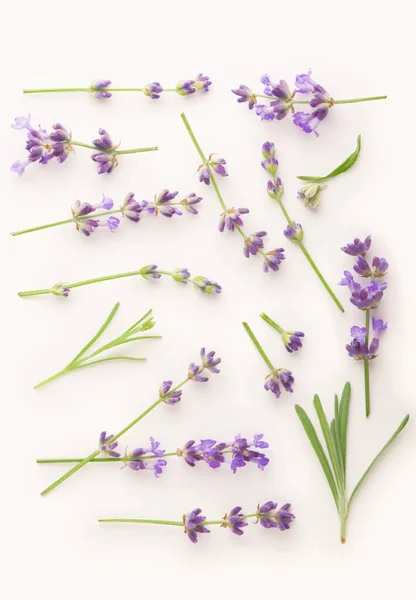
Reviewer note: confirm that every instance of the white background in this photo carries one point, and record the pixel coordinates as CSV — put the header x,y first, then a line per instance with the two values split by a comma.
x,y
54,547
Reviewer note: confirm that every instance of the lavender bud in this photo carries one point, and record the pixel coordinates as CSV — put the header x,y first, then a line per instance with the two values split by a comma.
x,y
59,289
311,194
206,286
181,275
294,233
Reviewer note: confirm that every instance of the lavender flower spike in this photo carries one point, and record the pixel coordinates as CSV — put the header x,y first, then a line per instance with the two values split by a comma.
x,y
232,217
107,448
107,160
270,517
272,259
192,523
357,247
206,286
365,298
294,232
358,348
235,520
136,462
153,90
253,243
169,396
209,362
245,95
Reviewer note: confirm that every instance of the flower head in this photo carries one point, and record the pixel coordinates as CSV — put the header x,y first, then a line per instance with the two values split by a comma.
x,y
253,243
170,397
292,340
212,453
181,275
106,159
98,88
363,297
279,377
153,90
106,446
204,174
275,188
357,247
281,91
163,205
193,524
131,208
185,87
202,82
294,233
149,272
138,461
209,362
217,164
38,145
245,94
269,517
189,202
88,226
310,194
206,286
191,453
358,348
243,454
235,520
232,217
61,139
272,259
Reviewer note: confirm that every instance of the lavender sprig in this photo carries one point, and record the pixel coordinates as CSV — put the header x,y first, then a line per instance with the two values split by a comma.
x,y
291,339
167,395
367,299
282,101
86,221
231,218
44,146
334,461
276,377
194,523
294,231
83,360
236,453
102,88
182,275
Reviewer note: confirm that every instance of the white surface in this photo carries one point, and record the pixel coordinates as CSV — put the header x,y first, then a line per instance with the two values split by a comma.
x,y
54,546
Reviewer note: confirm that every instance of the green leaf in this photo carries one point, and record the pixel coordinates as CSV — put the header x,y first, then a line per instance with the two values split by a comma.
x,y
344,408
384,448
329,441
317,446
98,334
342,168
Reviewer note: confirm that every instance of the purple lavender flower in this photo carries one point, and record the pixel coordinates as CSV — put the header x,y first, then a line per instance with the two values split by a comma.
x,y
357,247
106,160
193,524
189,202
310,194
265,112
292,340
270,518
282,92
279,377
362,267
131,208
209,361
162,204
380,266
150,272
235,521
217,163
270,162
59,289
308,122
194,373
358,348
153,463
321,103
107,448
204,174
294,233
363,297
272,259
153,90
181,275
304,84
206,286
241,453
232,217
202,82
88,226
191,453
38,145
61,139
275,188
245,95
98,88
185,87
253,243
212,453
170,397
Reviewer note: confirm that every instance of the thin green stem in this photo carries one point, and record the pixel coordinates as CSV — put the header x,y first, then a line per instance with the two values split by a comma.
x,y
66,222
143,521
217,189
193,138
51,378
284,211
367,366
258,346
101,360
136,150
320,276
348,101
90,90
271,322
124,459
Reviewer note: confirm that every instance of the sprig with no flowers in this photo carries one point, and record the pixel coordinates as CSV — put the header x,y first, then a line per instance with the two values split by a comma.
x,y
83,360
334,462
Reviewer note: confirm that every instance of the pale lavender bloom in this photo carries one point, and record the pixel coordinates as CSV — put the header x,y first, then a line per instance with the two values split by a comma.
x,y
265,112
209,361
242,454
358,348
308,122
204,174
181,275
271,518
191,453
253,243
212,453
268,149
162,204
98,88
189,202
112,223
61,146
88,226
282,92
279,377
272,259
217,163
193,524
363,297
153,90
357,247
292,340
170,397
37,144
235,521
270,164
206,286
245,95
275,188
149,272
202,82
321,103
150,463
131,208
294,233
362,267
185,87
107,448
306,85
106,160
380,266
232,217
194,373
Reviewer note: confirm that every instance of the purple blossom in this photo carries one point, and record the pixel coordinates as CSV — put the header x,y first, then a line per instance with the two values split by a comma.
x,y
194,373
270,518
294,233
193,523
106,160
153,90
162,204
209,361
253,243
37,144
170,397
380,266
306,85
189,202
61,146
275,188
241,453
357,247
272,259
131,208
98,88
212,453
308,122
88,226
245,95
107,448
362,267
204,174
138,461
270,164
363,297
284,101
232,217
358,348
217,163
206,286
149,272
279,377
235,520
265,112
292,340
181,275
191,453
268,149
202,82
185,87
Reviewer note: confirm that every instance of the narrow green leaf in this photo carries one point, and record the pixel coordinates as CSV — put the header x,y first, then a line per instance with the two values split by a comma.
x,y
337,444
98,334
384,448
342,168
101,360
344,408
317,446
329,441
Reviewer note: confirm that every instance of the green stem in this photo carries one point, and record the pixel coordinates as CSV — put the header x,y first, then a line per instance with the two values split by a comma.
x,y
284,211
343,532
114,152
51,378
124,459
142,521
320,276
193,138
348,101
107,89
67,221
258,346
272,323
367,366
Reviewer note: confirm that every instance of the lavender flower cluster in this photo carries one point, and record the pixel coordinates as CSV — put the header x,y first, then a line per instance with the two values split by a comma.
x,y
365,298
99,87
282,101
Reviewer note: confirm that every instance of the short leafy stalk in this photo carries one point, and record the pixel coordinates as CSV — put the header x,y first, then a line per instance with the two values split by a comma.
x,y
83,359
334,460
